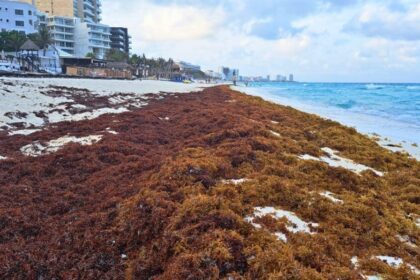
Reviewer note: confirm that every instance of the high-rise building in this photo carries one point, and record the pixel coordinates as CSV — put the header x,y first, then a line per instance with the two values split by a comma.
x,y
120,40
76,26
228,74
62,30
18,16
60,8
92,38
291,78
87,10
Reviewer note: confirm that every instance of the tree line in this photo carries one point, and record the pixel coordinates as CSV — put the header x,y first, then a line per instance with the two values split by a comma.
x,y
11,41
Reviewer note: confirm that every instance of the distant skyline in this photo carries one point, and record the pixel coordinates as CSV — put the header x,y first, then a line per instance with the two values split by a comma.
x,y
331,41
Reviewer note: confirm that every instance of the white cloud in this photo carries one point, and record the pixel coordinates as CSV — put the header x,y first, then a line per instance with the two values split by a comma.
x,y
178,23
293,45
152,22
317,47
378,20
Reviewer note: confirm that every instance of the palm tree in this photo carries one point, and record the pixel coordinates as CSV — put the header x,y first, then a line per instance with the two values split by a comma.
x,y
91,55
15,40
42,39
45,38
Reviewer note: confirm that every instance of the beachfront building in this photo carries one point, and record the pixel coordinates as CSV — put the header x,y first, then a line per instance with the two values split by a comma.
x,y
291,79
213,75
49,60
92,38
62,30
187,67
120,40
229,74
76,26
18,16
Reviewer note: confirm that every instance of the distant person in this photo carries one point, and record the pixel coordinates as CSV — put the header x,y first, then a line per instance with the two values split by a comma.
x,y
234,78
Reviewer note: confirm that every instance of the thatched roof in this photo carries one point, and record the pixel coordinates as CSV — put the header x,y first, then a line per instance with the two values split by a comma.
x,y
29,45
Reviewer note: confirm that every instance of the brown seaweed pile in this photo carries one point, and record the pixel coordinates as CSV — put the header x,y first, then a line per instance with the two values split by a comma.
x,y
168,196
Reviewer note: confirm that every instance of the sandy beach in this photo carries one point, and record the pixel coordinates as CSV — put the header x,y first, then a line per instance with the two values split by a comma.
x,y
160,180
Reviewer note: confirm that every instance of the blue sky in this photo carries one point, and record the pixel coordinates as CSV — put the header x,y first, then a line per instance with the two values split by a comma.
x,y
317,40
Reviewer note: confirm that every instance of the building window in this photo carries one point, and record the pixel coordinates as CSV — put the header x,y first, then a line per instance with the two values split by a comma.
x,y
30,22
20,23
30,13
19,12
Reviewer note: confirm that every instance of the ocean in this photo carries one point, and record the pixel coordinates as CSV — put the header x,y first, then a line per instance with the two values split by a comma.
x,y
390,110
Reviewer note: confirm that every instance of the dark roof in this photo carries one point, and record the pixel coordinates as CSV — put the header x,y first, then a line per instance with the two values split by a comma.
x,y
29,45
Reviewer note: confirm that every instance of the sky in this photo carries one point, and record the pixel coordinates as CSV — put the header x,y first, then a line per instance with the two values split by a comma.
x,y
316,40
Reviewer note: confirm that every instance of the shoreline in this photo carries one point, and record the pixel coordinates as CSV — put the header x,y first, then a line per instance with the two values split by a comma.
x,y
391,134
208,183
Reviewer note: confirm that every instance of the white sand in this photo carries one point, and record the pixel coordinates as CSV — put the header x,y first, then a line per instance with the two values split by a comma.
x,y
107,87
396,263
406,240
392,261
276,134
110,131
374,277
332,197
334,160
402,147
24,98
235,181
355,261
24,131
37,149
295,223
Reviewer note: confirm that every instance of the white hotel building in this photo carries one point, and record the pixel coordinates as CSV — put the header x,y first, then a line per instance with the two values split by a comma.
x,y
75,25
18,16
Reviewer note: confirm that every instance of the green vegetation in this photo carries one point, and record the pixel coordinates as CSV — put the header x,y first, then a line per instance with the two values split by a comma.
x,y
116,55
42,39
11,41
91,55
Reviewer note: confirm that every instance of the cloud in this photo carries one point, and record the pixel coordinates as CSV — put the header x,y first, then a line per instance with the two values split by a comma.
x,y
378,20
178,23
149,21
317,40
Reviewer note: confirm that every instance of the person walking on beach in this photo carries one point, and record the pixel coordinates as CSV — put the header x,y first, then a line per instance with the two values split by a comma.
x,y
234,78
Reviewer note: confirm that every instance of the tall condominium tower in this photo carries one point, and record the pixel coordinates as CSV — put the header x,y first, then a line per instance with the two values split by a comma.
x,y
87,10
75,25
61,8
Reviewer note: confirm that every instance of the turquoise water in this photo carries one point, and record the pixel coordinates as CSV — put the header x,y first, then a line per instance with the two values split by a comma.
x,y
396,102
390,110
